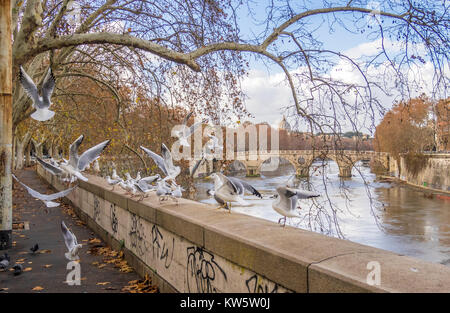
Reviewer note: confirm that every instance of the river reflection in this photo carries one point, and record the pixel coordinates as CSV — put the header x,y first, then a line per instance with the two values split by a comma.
x,y
394,217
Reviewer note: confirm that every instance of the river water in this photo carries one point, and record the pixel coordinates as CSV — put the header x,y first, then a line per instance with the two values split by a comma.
x,y
385,215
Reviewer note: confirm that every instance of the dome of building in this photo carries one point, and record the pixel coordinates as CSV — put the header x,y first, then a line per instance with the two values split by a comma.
x,y
284,124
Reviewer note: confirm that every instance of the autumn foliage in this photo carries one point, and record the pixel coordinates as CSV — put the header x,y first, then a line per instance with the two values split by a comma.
x,y
407,127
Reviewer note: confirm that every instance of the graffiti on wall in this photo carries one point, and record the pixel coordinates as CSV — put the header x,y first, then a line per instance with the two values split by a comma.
x,y
162,248
96,209
137,235
202,271
113,216
256,284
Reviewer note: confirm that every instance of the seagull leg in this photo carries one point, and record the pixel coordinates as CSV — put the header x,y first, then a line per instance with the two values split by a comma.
x,y
284,224
229,208
221,206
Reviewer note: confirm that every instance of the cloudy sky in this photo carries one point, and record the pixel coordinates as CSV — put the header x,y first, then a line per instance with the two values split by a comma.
x,y
269,95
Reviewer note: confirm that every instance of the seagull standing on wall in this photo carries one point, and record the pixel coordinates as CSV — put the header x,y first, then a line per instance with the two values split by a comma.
x,y
40,103
286,202
226,191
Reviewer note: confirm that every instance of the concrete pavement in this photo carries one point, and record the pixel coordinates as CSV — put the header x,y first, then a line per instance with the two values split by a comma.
x,y
102,270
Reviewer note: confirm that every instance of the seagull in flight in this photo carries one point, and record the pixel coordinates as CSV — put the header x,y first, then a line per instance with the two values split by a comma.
x,y
71,243
40,103
165,162
186,132
286,202
213,145
47,199
77,163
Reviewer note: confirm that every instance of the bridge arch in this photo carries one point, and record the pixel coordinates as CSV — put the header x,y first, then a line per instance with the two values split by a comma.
x,y
302,160
273,163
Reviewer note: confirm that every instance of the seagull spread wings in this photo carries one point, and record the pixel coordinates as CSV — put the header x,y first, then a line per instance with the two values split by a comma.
x,y
41,103
186,119
47,199
158,159
167,156
49,167
91,155
80,163
295,194
242,184
69,238
194,169
73,151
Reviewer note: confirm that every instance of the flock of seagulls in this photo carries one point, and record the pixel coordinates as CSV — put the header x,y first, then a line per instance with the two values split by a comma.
x,y
227,190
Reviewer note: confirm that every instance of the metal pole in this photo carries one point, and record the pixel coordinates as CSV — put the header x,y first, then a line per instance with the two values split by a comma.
x,y
5,125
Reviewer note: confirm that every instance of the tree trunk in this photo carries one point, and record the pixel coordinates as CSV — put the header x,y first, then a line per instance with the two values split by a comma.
x,y
38,148
5,125
20,147
27,155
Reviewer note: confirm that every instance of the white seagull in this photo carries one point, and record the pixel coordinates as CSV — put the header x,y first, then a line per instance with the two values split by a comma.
x,y
213,145
186,132
71,243
165,162
240,184
47,199
286,202
227,191
40,103
76,163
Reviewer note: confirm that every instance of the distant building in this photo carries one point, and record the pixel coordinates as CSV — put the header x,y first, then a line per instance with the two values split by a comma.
x,y
284,125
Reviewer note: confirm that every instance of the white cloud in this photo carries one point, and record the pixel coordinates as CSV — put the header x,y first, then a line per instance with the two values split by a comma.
x,y
269,94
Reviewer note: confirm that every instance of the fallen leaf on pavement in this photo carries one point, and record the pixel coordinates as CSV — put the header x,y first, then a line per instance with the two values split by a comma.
x,y
37,288
27,269
141,286
48,265
104,283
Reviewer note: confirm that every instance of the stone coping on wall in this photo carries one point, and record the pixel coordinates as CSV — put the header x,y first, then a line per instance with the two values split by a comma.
x,y
298,260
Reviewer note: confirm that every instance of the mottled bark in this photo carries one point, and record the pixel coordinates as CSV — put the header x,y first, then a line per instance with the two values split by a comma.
x,y
5,126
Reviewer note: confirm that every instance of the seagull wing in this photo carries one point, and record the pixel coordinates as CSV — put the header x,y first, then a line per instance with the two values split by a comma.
x,y
44,197
29,86
73,151
186,119
47,88
304,194
192,129
69,238
149,179
250,188
158,159
238,184
167,156
194,169
226,181
49,167
91,154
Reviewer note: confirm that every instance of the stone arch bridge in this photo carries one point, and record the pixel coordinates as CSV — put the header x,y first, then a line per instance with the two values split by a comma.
x,y
302,159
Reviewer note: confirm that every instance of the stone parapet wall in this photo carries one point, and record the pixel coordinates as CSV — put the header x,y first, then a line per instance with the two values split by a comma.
x,y
193,247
